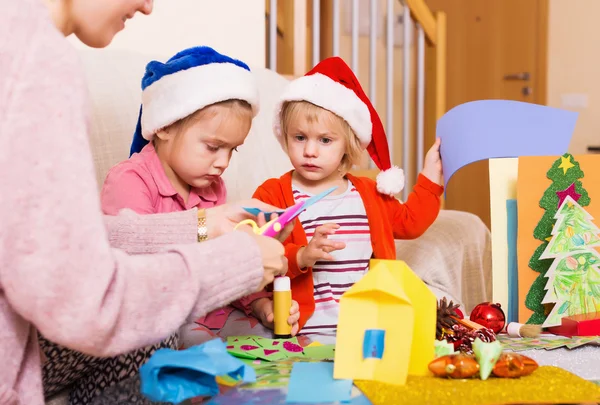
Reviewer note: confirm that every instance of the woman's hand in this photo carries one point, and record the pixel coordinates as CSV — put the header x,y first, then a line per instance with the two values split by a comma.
x,y
262,308
273,256
432,167
223,218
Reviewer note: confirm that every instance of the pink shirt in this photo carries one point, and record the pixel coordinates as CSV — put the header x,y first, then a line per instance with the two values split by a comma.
x,y
83,280
141,184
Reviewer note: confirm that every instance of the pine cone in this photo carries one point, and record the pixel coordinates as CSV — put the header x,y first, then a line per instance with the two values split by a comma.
x,y
445,312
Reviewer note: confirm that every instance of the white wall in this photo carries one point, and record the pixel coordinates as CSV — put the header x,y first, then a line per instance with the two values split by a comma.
x,y
233,27
573,65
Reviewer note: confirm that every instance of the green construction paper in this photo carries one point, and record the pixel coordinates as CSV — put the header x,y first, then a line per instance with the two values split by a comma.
x,y
543,230
255,347
487,354
443,348
242,354
325,352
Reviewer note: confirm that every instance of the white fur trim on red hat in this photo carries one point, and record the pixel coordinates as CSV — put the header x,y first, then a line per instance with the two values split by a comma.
x,y
180,94
390,181
324,92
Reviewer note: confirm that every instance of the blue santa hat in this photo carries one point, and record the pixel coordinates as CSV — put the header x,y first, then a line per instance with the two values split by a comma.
x,y
191,80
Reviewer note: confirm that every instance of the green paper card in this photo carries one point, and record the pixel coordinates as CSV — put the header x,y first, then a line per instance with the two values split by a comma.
x,y
254,347
325,352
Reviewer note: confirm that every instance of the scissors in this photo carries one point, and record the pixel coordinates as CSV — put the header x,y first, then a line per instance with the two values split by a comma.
x,y
273,227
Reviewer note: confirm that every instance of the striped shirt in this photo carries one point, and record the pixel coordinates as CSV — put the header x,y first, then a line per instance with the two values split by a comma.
x,y
332,278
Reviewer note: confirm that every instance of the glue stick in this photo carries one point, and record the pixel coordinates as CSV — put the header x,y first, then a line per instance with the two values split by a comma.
x,y
282,302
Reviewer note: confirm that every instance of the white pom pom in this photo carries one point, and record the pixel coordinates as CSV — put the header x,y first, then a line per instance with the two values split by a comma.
x,y
390,181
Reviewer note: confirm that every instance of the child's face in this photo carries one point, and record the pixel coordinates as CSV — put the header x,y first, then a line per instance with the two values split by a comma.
x,y
200,152
95,23
316,147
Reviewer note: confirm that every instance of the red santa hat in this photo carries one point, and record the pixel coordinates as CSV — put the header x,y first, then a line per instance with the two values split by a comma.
x,y
332,85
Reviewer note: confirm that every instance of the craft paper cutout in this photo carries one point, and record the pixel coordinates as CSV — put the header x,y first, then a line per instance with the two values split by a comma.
x,y
176,375
573,284
374,344
503,187
535,188
546,342
313,383
487,354
320,352
500,128
569,192
390,297
443,348
512,314
215,320
255,347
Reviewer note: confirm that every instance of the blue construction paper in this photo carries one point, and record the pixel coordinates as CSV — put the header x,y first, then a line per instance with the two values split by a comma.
x,y
313,383
176,375
501,129
373,344
512,313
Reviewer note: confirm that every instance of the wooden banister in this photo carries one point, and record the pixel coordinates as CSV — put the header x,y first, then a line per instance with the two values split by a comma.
x,y
423,15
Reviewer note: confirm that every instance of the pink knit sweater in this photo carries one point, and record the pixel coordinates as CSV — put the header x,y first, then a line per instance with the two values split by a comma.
x,y
58,272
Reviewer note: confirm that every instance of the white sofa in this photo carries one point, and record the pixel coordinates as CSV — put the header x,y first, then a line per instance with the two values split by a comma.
x,y
453,257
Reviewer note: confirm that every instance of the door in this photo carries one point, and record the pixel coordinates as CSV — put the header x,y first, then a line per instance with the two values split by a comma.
x,y
496,50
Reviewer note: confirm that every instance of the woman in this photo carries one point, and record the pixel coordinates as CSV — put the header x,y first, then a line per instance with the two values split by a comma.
x,y
58,273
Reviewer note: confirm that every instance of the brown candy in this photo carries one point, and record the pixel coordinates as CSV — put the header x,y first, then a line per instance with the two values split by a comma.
x,y
454,366
511,365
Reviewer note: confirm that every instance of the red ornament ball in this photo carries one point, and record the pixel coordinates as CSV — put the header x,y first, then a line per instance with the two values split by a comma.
x,y
489,315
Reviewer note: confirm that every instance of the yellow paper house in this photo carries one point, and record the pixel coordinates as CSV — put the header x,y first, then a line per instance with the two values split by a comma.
x,y
386,327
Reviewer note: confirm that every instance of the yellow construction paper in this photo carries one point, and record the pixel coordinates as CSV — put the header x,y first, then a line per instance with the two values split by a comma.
x,y
315,344
503,186
393,298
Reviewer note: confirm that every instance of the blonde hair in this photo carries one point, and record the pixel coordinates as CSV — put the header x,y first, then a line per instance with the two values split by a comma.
x,y
292,110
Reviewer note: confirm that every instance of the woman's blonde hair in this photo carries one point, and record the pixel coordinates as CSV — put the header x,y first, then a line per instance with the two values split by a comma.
x,y
313,113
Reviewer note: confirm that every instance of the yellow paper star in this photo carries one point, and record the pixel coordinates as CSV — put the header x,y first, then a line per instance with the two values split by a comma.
x,y
565,164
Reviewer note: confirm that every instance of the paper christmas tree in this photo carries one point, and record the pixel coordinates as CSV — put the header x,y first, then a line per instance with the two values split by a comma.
x,y
564,174
573,284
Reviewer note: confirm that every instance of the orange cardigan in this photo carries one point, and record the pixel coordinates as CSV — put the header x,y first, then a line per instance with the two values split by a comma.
x,y
388,219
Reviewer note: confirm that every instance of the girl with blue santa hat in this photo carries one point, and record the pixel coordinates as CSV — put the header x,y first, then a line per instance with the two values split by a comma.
x,y
197,109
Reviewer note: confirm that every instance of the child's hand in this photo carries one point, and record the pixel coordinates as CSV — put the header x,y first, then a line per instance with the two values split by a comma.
x,y
432,167
319,247
262,308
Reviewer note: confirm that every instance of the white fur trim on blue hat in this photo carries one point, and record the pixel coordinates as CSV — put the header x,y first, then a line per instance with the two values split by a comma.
x,y
324,92
390,181
180,94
